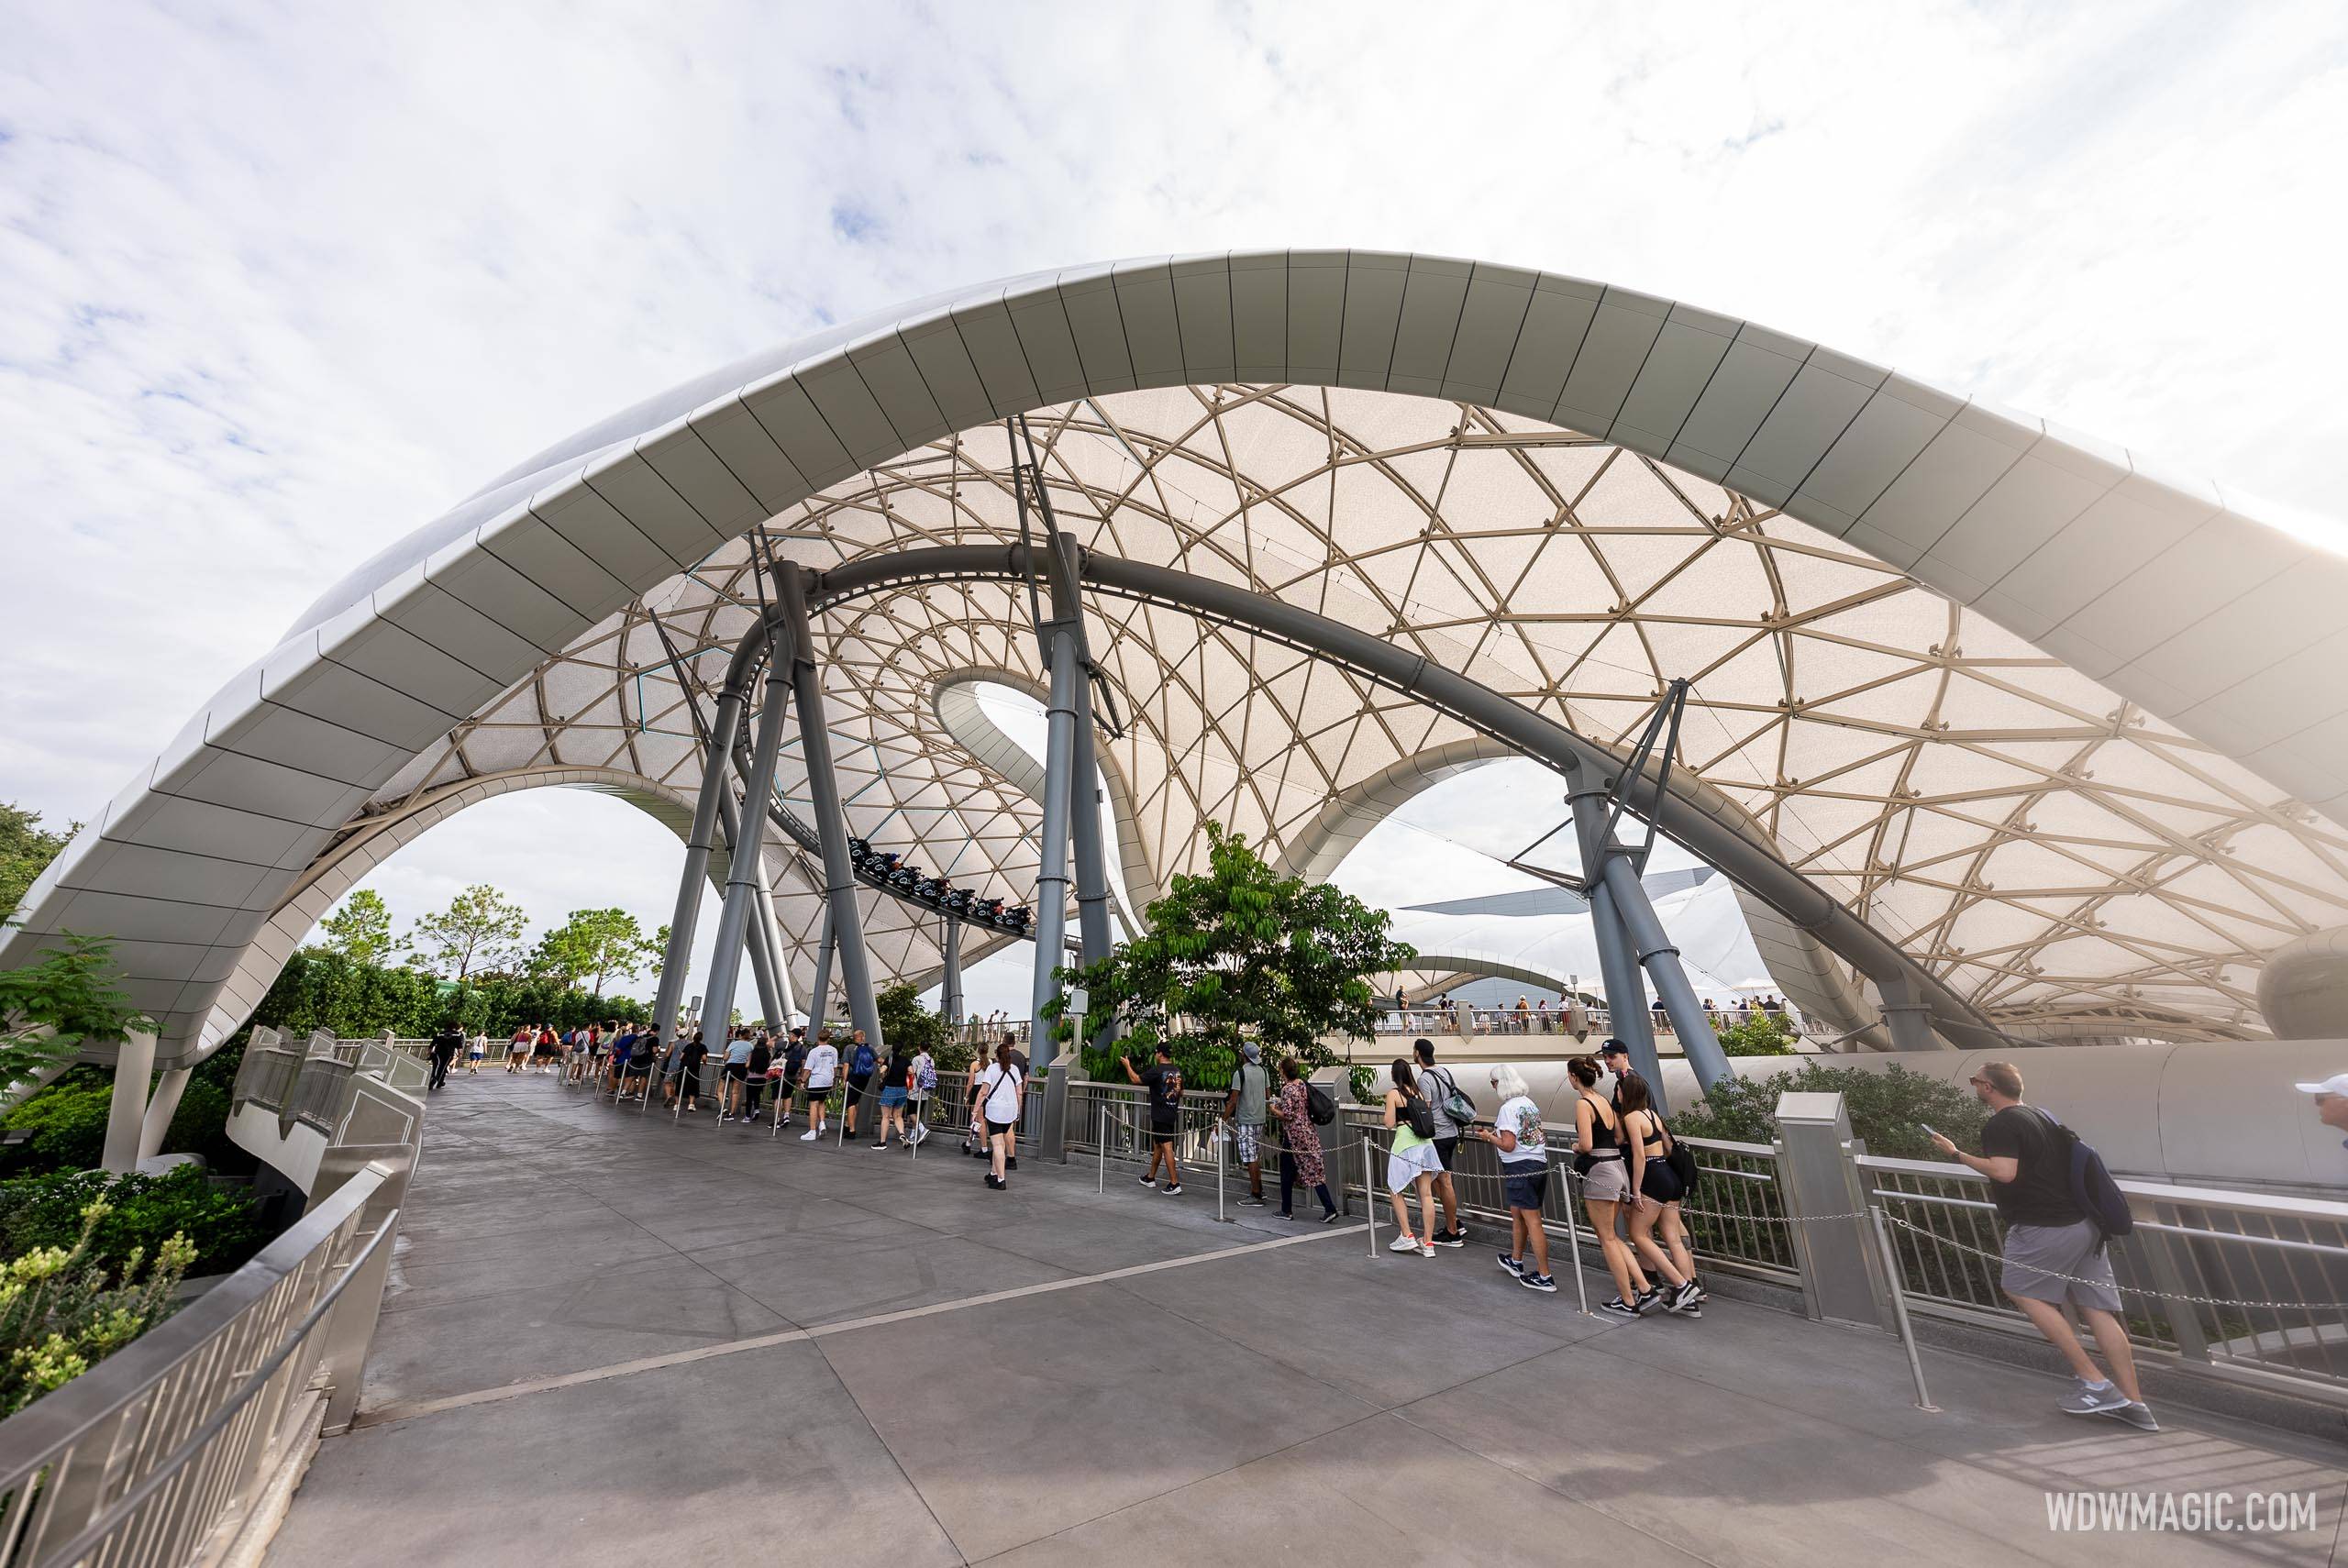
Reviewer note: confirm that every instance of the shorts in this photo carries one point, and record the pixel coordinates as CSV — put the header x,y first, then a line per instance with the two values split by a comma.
x,y
2037,1257
819,1091
1404,1167
997,1129
1609,1181
1165,1134
892,1098
477,1053
1444,1148
856,1086
1243,1142
1529,1189
737,1069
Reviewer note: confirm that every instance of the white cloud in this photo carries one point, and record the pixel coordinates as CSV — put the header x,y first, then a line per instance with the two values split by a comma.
x,y
278,285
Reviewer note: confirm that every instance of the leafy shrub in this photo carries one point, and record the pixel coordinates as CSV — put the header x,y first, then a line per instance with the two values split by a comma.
x,y
1358,1080
1762,1034
59,1316
905,1023
68,1123
142,1213
1888,1109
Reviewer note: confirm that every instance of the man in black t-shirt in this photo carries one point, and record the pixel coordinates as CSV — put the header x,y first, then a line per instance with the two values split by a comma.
x,y
1164,1081
445,1046
2054,1256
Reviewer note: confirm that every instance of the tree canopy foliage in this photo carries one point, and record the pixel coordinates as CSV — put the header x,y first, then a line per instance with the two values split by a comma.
x,y
26,850
361,929
480,929
1237,954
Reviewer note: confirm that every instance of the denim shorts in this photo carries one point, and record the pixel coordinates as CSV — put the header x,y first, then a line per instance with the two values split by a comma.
x,y
890,1097
1526,1190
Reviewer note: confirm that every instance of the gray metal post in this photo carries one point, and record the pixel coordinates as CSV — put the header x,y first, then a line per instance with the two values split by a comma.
x,y
715,764
1906,1015
1662,960
950,1001
831,820
1051,871
819,997
1834,1241
134,1063
1618,966
759,938
741,886
769,925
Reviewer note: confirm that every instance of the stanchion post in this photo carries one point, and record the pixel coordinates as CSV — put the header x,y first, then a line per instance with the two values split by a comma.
x,y
1573,1236
1222,1152
1100,1143
1899,1308
1368,1203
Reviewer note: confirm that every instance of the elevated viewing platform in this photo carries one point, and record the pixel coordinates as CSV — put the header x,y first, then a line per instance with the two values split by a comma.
x,y
611,1337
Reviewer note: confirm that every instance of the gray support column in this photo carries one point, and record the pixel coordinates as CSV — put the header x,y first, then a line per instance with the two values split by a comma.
x,y
1618,966
819,999
134,1063
754,938
831,820
741,883
1662,960
1906,1015
769,927
161,1109
717,763
1051,871
950,1002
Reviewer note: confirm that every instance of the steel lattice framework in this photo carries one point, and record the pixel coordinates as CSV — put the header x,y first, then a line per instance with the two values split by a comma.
x,y
2057,855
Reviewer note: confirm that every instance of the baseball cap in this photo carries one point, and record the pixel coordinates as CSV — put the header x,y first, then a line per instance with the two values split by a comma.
x,y
2336,1084
1613,1047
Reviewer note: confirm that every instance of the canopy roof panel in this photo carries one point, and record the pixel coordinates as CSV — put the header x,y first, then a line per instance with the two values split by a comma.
x,y
2035,713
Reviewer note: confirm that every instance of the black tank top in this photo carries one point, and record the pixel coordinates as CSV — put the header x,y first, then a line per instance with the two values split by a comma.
x,y
1602,1136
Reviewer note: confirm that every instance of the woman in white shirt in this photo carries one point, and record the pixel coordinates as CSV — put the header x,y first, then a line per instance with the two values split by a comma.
x,y
998,1094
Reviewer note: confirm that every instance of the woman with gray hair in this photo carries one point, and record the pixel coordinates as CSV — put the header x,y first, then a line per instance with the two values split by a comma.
x,y
1516,1136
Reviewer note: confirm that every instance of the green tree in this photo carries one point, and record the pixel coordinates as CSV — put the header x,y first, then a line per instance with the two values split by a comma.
x,y
593,945
905,1023
26,850
480,929
1236,954
361,929
1765,1033
67,994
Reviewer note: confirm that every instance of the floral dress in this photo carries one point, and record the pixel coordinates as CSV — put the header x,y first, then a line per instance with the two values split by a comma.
x,y
1303,1141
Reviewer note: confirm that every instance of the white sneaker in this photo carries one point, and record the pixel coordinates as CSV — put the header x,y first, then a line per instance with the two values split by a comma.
x,y
808,1136
1406,1243
1426,1249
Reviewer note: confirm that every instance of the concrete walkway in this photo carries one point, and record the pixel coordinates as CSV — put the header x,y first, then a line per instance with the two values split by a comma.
x,y
612,1339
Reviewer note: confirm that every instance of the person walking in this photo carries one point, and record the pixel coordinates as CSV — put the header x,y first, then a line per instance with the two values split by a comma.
x,y
734,1071
896,1081
1164,1081
788,1093
1411,1159
476,1053
2055,1258
921,1083
445,1046
1605,1186
1243,1112
761,1065
823,1066
689,1058
998,1093
1301,1158
517,1050
1439,1088
1655,1192
1019,1060
861,1062
1516,1136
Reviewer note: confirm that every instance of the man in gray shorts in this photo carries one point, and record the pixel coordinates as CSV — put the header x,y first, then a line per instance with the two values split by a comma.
x,y
2054,1256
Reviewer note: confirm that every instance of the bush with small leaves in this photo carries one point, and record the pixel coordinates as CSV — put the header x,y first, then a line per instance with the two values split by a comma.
x,y
61,1313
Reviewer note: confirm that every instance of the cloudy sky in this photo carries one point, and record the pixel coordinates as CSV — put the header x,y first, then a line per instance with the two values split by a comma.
x,y
277,283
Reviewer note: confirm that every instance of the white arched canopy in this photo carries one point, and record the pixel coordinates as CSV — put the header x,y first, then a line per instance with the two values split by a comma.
x,y
2066,730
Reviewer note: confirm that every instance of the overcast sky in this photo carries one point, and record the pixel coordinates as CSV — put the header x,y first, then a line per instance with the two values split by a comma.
x,y
277,285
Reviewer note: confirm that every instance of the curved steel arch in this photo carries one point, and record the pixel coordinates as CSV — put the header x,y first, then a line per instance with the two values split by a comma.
x,y
1677,812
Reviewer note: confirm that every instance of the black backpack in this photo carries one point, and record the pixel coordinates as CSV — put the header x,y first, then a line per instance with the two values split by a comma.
x,y
1320,1105
1418,1113
2094,1192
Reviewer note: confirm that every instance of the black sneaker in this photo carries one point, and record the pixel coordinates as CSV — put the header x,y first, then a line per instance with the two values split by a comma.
x,y
1509,1262
1149,1181
996,1182
1253,1201
1175,1190
1648,1298
1679,1298
882,1144
1701,1294
1012,1163
1540,1282
1449,1238
1331,1218
1618,1308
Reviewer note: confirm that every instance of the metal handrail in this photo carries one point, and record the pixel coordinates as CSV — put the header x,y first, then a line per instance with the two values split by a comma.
x,y
101,1448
